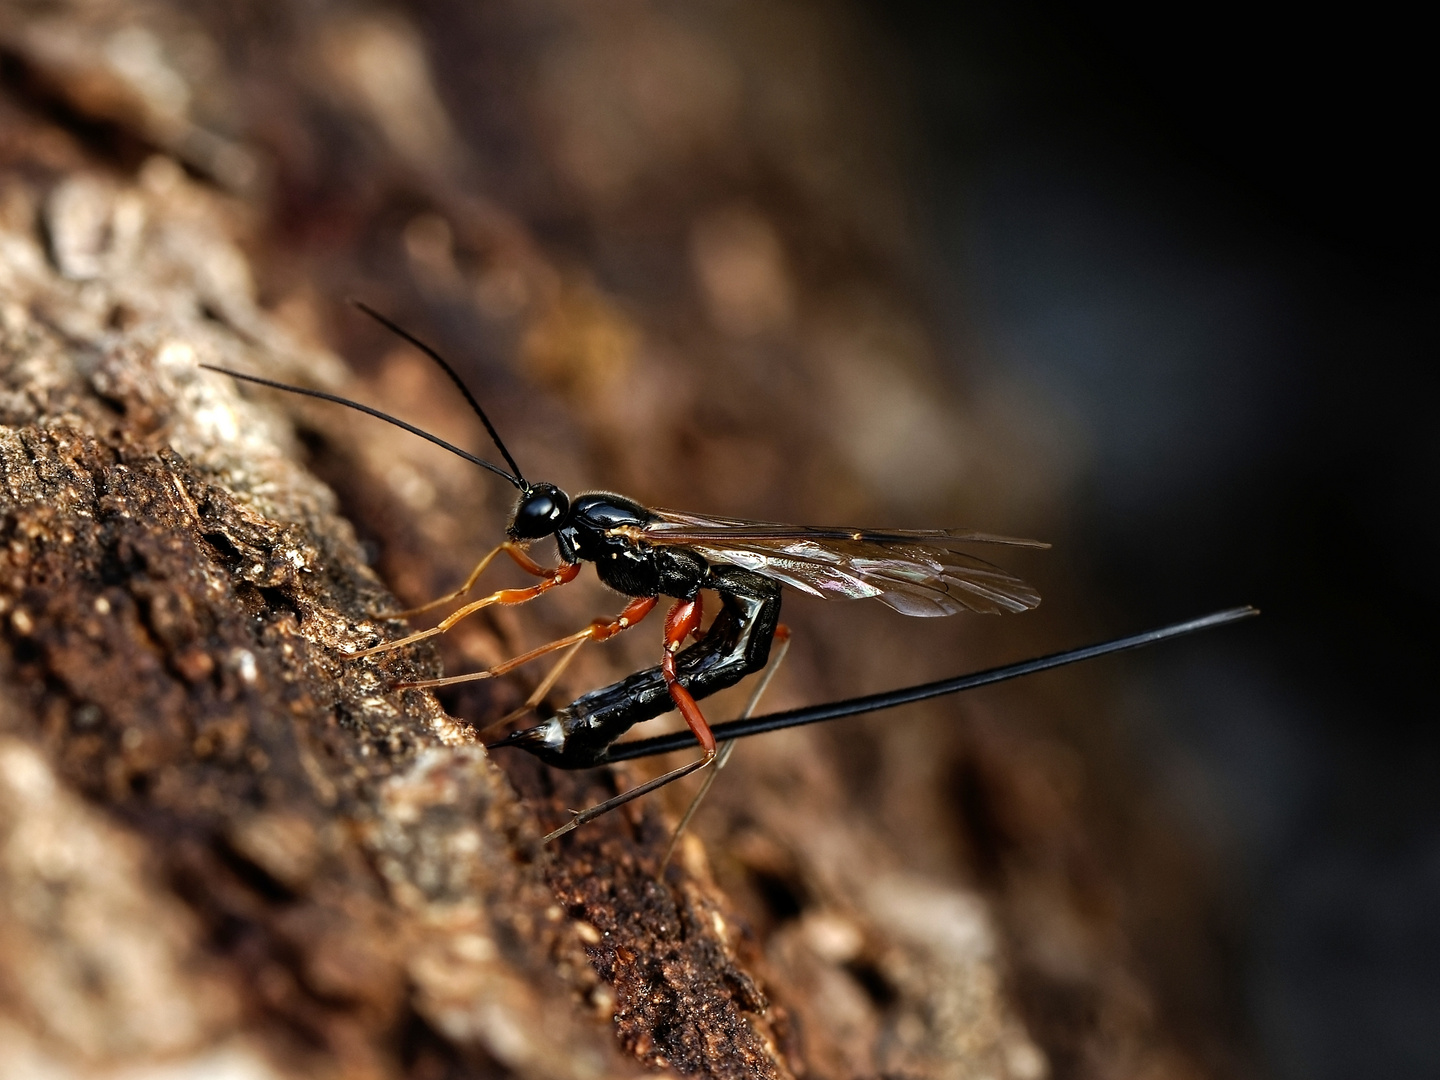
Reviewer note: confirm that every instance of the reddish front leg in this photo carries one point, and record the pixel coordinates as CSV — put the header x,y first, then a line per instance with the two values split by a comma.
x,y
598,630
509,547
682,621
561,575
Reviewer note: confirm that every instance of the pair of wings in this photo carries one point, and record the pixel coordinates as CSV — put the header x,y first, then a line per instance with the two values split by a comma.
x,y
916,572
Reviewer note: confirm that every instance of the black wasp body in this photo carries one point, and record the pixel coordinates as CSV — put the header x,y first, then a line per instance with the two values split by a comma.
x,y
646,553
603,528
608,530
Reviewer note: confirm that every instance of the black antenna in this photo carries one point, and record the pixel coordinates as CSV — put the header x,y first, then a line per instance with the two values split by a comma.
x,y
445,367
814,714
517,481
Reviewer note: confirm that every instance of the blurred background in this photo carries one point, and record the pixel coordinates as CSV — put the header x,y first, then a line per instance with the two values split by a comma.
x,y
1201,244
1158,288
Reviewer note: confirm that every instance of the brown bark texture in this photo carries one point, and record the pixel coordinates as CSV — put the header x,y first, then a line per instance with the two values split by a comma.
x,y
672,260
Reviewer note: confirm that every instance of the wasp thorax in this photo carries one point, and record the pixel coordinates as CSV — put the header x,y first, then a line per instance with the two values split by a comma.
x,y
540,512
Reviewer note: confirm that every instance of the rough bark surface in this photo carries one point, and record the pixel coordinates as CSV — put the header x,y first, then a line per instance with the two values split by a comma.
x,y
227,848
178,597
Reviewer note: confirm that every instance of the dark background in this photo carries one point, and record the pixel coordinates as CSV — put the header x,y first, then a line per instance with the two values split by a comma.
x,y
1190,253
1202,239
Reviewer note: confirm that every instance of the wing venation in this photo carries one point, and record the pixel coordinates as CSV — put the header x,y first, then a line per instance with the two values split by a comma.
x,y
916,572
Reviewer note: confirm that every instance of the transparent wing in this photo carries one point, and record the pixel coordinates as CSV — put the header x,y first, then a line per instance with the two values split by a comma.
x,y
677,526
917,572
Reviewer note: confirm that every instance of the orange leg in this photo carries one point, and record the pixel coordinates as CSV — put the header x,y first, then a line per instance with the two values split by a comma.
x,y
509,547
599,630
777,655
538,694
682,621
565,572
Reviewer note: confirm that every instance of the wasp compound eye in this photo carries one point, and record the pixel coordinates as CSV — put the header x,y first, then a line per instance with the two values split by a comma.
x,y
540,512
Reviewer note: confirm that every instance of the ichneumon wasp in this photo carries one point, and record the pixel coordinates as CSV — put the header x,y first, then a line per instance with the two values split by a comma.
x,y
646,553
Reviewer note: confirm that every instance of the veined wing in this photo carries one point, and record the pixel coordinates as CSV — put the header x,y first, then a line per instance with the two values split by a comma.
x,y
917,572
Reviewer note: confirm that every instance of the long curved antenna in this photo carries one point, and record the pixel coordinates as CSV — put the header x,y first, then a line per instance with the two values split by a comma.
x,y
516,480
814,714
459,383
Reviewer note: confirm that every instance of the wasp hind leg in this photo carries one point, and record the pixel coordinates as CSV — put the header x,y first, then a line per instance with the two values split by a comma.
x,y
682,622
737,644
779,647
634,612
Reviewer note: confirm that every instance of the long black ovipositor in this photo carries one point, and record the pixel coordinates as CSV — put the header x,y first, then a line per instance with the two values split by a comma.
x,y
835,710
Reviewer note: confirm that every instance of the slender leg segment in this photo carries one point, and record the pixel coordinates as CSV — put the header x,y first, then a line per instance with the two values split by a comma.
x,y
682,622
737,643
583,816
509,547
599,630
779,647
565,572
538,694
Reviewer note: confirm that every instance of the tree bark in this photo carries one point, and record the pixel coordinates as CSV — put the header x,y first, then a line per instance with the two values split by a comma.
x,y
227,845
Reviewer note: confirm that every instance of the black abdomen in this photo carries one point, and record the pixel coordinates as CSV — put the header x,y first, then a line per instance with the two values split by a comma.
x,y
737,643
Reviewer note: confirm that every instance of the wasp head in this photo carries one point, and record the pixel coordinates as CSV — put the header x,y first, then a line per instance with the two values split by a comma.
x,y
541,512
